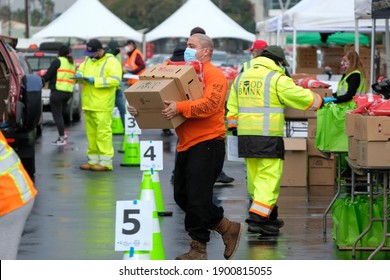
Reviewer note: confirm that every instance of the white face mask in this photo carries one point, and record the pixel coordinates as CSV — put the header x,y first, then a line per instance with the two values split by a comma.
x,y
127,49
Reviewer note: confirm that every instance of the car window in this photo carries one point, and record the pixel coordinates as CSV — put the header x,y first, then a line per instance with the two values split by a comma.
x,y
39,62
78,53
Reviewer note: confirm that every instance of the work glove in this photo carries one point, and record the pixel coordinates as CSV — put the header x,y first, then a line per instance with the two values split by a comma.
x,y
78,75
91,80
328,99
233,130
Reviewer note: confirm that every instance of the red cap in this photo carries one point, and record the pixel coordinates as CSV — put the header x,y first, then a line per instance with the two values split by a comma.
x,y
258,45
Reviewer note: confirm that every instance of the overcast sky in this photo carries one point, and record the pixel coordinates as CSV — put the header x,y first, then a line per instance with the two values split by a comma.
x,y
60,5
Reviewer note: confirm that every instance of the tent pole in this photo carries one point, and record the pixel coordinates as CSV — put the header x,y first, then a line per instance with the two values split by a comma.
x,y
356,35
372,51
387,46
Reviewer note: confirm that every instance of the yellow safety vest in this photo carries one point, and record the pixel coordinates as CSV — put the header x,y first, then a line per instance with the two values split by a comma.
x,y
65,72
257,100
342,87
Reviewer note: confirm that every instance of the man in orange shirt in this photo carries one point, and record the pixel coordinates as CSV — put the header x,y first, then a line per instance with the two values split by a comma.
x,y
201,153
135,63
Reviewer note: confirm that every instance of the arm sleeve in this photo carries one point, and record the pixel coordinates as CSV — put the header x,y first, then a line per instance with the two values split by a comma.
x,y
214,94
51,72
353,82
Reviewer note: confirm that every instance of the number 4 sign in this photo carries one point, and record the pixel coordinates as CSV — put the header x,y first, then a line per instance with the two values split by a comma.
x,y
151,155
134,225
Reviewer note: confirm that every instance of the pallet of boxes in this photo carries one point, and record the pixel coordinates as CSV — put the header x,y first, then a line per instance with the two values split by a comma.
x,y
159,83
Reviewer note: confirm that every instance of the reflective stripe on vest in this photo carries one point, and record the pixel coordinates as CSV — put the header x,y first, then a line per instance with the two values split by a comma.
x,y
10,163
267,110
65,72
102,72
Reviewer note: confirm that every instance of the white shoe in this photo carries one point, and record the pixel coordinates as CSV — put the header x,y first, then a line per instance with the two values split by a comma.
x,y
59,142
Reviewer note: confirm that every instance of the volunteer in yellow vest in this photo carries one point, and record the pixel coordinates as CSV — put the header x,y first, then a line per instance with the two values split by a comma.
x,y
17,195
135,63
353,80
255,106
59,75
101,73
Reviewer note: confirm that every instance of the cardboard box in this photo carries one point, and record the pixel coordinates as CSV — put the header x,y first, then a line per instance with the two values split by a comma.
x,y
322,171
148,96
294,114
352,148
185,77
350,123
295,162
372,128
374,154
311,128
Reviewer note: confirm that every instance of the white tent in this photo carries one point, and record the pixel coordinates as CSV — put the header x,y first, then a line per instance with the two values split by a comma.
x,y
201,13
323,16
87,19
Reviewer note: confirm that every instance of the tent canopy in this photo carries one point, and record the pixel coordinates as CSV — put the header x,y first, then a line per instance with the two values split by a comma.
x,y
201,13
87,19
321,16
337,38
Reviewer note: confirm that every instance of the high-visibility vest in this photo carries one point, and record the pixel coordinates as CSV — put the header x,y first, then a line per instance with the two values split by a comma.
x,y
16,186
65,72
342,87
258,97
131,63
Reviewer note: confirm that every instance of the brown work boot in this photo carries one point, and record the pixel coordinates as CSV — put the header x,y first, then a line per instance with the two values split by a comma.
x,y
197,252
86,166
99,167
231,233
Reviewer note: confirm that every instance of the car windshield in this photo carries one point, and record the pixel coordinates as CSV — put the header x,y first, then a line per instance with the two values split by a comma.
x,y
78,53
40,62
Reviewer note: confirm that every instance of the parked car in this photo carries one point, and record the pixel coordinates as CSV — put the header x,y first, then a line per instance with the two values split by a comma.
x,y
78,53
20,103
40,61
157,58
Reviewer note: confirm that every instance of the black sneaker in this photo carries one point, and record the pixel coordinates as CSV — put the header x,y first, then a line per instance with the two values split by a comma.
x,y
59,142
166,132
223,178
264,226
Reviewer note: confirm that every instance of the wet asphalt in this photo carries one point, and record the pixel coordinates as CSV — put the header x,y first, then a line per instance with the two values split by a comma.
x,y
74,213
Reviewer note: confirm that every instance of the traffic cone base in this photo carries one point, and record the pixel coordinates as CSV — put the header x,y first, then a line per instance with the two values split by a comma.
x,y
136,255
132,156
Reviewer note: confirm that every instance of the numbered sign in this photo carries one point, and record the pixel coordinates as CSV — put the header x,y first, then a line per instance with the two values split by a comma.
x,y
151,155
131,125
134,225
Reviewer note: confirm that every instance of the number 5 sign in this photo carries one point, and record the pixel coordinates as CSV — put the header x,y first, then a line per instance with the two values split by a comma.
x,y
151,155
134,225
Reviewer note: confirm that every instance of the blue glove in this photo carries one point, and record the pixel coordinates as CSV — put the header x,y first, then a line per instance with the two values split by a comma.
x,y
91,80
78,75
328,99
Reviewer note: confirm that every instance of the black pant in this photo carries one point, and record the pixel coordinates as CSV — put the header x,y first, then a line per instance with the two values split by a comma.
x,y
58,101
195,173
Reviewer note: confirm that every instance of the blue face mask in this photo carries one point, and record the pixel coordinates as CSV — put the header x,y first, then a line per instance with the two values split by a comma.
x,y
189,55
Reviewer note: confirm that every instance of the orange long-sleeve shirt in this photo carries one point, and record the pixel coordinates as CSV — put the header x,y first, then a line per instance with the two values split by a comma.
x,y
205,116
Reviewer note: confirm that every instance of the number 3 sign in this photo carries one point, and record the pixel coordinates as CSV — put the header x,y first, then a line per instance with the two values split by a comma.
x,y
134,225
151,155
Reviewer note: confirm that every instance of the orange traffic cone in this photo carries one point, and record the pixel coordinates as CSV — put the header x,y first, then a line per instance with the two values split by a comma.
x,y
158,194
132,156
147,193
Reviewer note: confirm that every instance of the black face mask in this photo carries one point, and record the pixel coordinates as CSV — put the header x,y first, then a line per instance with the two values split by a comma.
x,y
117,51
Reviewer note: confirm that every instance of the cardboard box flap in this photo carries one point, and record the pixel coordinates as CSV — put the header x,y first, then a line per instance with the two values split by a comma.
x,y
167,71
295,144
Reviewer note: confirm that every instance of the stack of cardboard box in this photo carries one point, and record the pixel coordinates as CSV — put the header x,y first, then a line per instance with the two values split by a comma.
x,y
160,83
368,139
